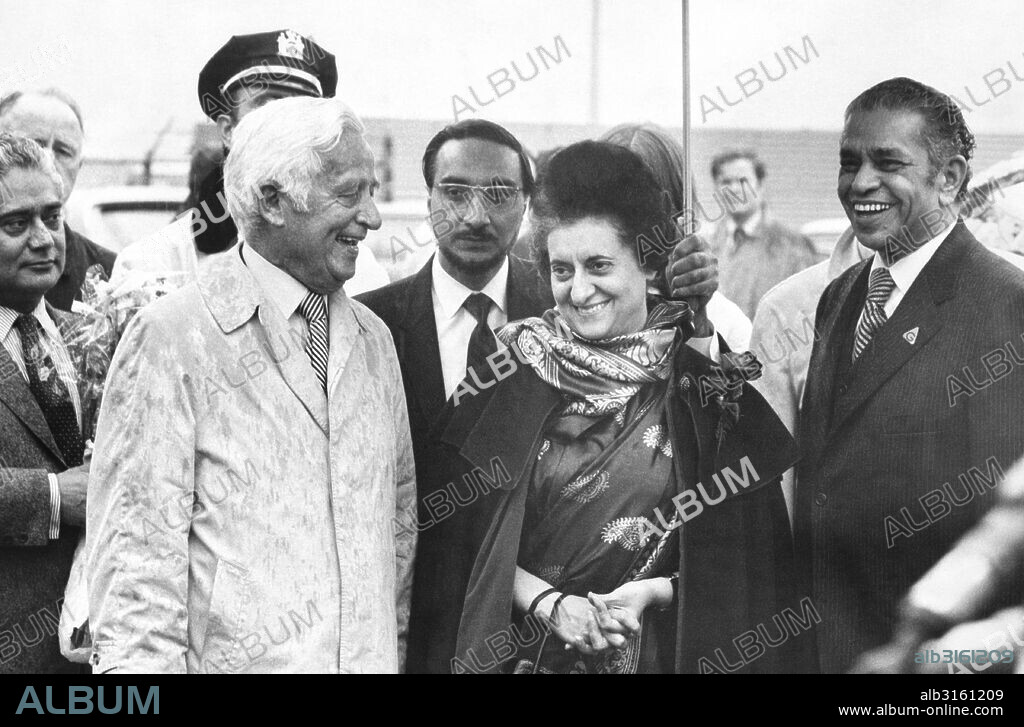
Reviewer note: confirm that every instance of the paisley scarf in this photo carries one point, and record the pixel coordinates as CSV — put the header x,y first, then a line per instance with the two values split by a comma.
x,y
600,377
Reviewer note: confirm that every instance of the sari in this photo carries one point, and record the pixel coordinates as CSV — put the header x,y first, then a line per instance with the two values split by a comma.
x,y
604,467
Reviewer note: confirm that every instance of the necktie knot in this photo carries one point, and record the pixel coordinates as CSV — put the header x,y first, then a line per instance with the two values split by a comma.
x,y
27,325
880,286
873,317
313,308
478,305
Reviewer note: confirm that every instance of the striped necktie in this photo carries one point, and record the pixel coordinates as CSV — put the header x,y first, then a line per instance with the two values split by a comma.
x,y
880,287
314,309
50,391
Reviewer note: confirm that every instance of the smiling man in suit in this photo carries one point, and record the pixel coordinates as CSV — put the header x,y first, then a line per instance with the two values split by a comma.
x,y
53,120
899,435
42,479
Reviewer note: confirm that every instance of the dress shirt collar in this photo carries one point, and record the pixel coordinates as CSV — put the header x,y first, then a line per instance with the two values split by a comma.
x,y
750,226
8,316
280,288
905,270
451,294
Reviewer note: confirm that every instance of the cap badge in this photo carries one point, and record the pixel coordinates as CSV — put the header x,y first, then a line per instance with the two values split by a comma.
x,y
289,44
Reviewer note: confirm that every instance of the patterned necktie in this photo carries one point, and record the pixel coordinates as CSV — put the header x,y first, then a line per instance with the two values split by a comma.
x,y
314,309
482,343
880,287
50,391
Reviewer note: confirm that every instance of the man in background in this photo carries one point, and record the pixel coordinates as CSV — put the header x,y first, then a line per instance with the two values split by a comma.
x,y
53,120
754,250
42,478
247,72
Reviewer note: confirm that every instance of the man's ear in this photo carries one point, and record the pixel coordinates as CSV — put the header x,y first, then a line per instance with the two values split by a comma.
x,y
225,125
950,178
271,202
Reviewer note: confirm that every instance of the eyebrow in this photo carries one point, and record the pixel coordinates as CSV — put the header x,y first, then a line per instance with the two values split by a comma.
x,y
23,211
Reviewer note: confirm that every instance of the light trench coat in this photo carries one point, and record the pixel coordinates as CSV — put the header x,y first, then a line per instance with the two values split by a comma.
x,y
237,521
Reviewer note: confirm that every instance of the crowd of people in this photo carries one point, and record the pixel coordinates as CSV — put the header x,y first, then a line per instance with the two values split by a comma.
x,y
551,450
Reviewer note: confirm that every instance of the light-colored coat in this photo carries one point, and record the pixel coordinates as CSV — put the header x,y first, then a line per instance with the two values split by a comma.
x,y
237,521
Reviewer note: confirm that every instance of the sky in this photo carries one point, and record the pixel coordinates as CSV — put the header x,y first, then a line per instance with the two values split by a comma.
x,y
133,64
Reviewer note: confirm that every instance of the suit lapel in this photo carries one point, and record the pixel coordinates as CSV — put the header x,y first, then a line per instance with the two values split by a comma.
x,y
418,346
18,397
917,319
836,329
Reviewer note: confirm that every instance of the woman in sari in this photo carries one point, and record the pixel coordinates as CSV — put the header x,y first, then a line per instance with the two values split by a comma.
x,y
619,540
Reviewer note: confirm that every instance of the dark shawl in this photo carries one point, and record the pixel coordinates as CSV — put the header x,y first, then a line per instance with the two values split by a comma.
x,y
735,558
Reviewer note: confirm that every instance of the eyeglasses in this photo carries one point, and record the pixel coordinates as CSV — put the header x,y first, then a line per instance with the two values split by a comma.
x,y
493,195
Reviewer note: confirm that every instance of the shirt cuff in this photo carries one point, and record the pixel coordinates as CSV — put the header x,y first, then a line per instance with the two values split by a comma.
x,y
707,346
54,507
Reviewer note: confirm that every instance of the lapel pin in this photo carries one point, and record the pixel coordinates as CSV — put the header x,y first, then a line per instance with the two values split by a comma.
x,y
911,335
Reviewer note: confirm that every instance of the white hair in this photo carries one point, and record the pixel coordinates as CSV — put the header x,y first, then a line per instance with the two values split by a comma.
x,y
281,144
19,152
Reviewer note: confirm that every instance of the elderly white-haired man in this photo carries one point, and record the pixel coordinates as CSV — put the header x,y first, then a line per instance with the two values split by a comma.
x,y
253,489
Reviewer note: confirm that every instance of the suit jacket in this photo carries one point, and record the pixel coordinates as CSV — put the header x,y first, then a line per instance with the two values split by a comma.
x,y
80,254
238,519
735,557
443,558
770,255
33,569
895,458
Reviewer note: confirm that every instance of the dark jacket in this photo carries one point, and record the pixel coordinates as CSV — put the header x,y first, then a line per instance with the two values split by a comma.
x,y
886,485
81,253
735,557
33,569
441,569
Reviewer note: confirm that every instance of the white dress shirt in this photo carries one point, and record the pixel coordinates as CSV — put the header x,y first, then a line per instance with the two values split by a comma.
x,y
455,324
905,270
284,291
53,344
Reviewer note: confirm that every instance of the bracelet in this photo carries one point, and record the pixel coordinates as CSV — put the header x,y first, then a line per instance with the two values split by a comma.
x,y
558,602
540,597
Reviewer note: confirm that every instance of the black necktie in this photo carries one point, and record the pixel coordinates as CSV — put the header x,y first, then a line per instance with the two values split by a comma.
x,y
482,343
50,392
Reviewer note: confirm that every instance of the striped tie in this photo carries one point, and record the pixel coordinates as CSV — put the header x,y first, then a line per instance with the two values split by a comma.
x,y
880,287
314,309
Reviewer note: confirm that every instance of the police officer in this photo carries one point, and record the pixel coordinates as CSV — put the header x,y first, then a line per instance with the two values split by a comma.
x,y
247,72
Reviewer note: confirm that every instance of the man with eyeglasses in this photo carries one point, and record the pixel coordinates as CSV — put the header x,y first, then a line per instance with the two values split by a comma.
x,y
442,320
